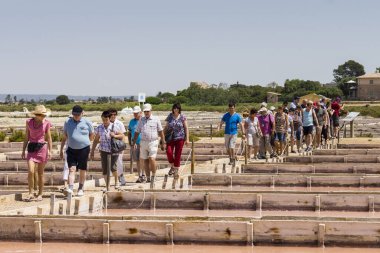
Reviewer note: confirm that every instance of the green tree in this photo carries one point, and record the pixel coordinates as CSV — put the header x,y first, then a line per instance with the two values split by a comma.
x,y
102,100
62,100
165,97
349,69
378,70
153,100
8,99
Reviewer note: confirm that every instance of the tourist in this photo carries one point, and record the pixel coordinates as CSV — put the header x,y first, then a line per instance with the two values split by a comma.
x,y
176,135
38,142
253,133
337,107
297,126
135,153
103,135
149,127
322,101
120,128
79,133
232,120
281,125
266,122
304,103
308,117
295,102
321,129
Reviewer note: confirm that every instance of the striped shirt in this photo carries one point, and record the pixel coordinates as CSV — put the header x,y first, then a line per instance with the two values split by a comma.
x,y
149,128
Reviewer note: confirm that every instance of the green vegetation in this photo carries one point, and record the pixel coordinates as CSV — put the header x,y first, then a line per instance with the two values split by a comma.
x,y
2,136
17,136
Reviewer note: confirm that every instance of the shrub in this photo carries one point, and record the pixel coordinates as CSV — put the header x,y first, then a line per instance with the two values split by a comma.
x,y
17,136
2,136
55,136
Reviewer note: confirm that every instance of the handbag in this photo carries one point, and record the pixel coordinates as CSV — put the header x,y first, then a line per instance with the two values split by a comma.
x,y
117,145
35,146
169,135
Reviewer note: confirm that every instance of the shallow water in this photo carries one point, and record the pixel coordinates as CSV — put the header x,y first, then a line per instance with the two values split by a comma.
x,y
22,247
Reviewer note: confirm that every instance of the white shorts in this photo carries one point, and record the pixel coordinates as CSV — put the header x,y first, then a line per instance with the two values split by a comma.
x,y
119,164
230,140
253,140
65,167
148,149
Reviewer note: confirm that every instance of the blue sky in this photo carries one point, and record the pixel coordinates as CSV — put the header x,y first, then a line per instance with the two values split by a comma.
x,y
93,47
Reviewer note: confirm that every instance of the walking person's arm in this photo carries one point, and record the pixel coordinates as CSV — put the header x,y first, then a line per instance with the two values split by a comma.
x,y
63,142
187,137
94,144
50,143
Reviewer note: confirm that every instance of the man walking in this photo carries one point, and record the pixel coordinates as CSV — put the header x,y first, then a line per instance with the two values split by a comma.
x,y
79,133
232,120
135,153
149,127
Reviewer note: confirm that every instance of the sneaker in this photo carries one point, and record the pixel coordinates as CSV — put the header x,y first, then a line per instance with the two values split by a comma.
x,y
122,180
148,180
293,151
80,193
143,179
69,191
231,162
273,155
171,171
139,180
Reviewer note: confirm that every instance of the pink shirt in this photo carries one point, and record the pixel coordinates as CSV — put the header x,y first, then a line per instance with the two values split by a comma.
x,y
37,133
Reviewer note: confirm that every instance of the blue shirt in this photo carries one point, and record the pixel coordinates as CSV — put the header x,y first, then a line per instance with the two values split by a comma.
x,y
132,127
232,122
307,117
78,133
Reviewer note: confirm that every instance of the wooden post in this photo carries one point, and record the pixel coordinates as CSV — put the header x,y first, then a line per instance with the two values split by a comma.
x,y
246,153
181,183
211,131
91,201
206,202
192,156
37,231
76,206
175,180
105,201
165,181
259,203
106,233
352,129
216,169
169,234
68,206
60,209
249,234
371,204
317,203
52,203
321,235
189,182
224,168
153,202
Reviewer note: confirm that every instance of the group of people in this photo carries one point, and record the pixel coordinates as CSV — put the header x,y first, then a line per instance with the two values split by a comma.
x,y
144,132
269,132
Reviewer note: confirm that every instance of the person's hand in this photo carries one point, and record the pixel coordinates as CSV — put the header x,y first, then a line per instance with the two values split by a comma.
x,y
243,136
23,155
112,134
48,155
187,143
61,154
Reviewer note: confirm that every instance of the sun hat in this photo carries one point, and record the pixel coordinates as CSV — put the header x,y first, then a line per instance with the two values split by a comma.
x,y
136,109
40,110
264,104
272,108
147,107
263,109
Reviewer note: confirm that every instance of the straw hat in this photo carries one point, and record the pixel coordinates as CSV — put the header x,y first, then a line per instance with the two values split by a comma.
x,y
40,109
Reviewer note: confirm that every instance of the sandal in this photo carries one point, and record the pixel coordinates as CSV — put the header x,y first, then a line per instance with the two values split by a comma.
x,y
29,198
39,198
171,171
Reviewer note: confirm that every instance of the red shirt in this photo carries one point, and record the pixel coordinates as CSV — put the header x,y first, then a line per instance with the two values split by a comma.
x,y
336,107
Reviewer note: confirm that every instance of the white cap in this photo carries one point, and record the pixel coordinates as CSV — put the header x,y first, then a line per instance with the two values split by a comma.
x,y
263,104
272,108
147,107
136,109
263,109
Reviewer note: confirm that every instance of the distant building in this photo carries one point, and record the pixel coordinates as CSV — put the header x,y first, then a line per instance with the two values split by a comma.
x,y
272,97
369,86
202,85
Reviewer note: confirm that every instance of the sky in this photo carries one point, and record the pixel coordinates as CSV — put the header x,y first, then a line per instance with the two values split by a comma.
x,y
109,48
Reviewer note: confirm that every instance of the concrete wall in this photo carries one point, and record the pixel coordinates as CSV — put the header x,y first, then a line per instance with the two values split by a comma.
x,y
367,90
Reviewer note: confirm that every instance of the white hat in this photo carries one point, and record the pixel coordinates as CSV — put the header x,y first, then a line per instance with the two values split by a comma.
x,y
263,109
147,107
263,104
136,109
272,108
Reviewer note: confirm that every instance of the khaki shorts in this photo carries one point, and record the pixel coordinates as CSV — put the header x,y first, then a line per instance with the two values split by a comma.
x,y
230,140
253,140
148,149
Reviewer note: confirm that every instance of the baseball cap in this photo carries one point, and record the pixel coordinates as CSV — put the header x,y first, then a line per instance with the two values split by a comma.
x,y
77,109
147,107
136,109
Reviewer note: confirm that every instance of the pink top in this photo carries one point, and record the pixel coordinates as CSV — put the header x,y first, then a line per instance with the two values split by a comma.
x,y
37,133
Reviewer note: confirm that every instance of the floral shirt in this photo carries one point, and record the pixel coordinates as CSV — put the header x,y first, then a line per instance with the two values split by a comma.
x,y
177,126
105,137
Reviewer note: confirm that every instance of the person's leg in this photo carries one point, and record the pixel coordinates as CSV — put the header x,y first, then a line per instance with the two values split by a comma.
x,y
115,170
227,144
318,137
41,168
120,168
232,145
31,168
170,155
82,166
65,172
146,168
152,165
262,151
35,187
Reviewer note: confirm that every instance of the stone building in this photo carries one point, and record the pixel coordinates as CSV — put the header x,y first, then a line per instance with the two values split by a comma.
x,y
369,86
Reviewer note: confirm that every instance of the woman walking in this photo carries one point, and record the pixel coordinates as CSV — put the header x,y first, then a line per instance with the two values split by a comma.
x,y
103,135
176,135
253,133
39,144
